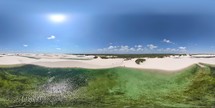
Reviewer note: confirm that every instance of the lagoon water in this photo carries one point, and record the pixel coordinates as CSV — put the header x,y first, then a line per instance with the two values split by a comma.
x,y
31,85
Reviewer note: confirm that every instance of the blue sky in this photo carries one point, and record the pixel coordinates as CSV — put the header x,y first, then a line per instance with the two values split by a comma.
x,y
107,26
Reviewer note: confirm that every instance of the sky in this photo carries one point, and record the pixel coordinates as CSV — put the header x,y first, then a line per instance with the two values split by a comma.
x,y
107,26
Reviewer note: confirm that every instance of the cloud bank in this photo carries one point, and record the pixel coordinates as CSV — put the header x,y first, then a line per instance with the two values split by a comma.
x,y
150,48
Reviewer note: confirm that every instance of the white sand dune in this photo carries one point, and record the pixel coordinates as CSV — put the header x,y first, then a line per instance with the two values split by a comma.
x,y
62,61
9,60
170,64
90,64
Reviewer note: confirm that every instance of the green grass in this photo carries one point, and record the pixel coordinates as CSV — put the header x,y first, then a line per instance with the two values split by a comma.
x,y
138,87
116,87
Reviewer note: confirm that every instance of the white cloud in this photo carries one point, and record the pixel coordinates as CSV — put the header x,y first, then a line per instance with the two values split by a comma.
x,y
167,41
58,48
132,49
25,45
173,50
151,46
112,47
51,37
120,49
139,49
126,47
123,49
168,50
138,46
182,48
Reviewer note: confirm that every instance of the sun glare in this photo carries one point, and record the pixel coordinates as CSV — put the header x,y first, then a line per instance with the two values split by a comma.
x,y
57,18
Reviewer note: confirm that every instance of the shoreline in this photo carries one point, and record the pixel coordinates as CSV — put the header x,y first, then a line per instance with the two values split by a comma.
x,y
142,69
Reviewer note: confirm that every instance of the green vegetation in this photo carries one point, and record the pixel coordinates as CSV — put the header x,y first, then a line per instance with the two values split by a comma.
x,y
138,61
95,57
104,57
32,86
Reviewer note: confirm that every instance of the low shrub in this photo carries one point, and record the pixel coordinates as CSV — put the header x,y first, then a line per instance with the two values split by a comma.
x,y
138,61
104,57
95,57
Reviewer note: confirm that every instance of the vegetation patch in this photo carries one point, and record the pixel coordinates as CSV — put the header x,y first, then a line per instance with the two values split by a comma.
x,y
30,86
138,61
104,57
95,57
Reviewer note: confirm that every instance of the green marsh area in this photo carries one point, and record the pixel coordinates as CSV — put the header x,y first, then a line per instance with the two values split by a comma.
x,y
34,86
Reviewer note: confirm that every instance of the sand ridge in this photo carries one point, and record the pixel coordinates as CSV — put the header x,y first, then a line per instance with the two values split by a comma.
x,y
76,61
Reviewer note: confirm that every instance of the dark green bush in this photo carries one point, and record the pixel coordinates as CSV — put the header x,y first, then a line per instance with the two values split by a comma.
x,y
104,57
95,57
138,61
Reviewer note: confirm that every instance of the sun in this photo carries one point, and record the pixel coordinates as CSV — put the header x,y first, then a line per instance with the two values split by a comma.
x,y
58,18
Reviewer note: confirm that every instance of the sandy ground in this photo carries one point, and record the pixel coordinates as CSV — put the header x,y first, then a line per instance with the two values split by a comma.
x,y
63,60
